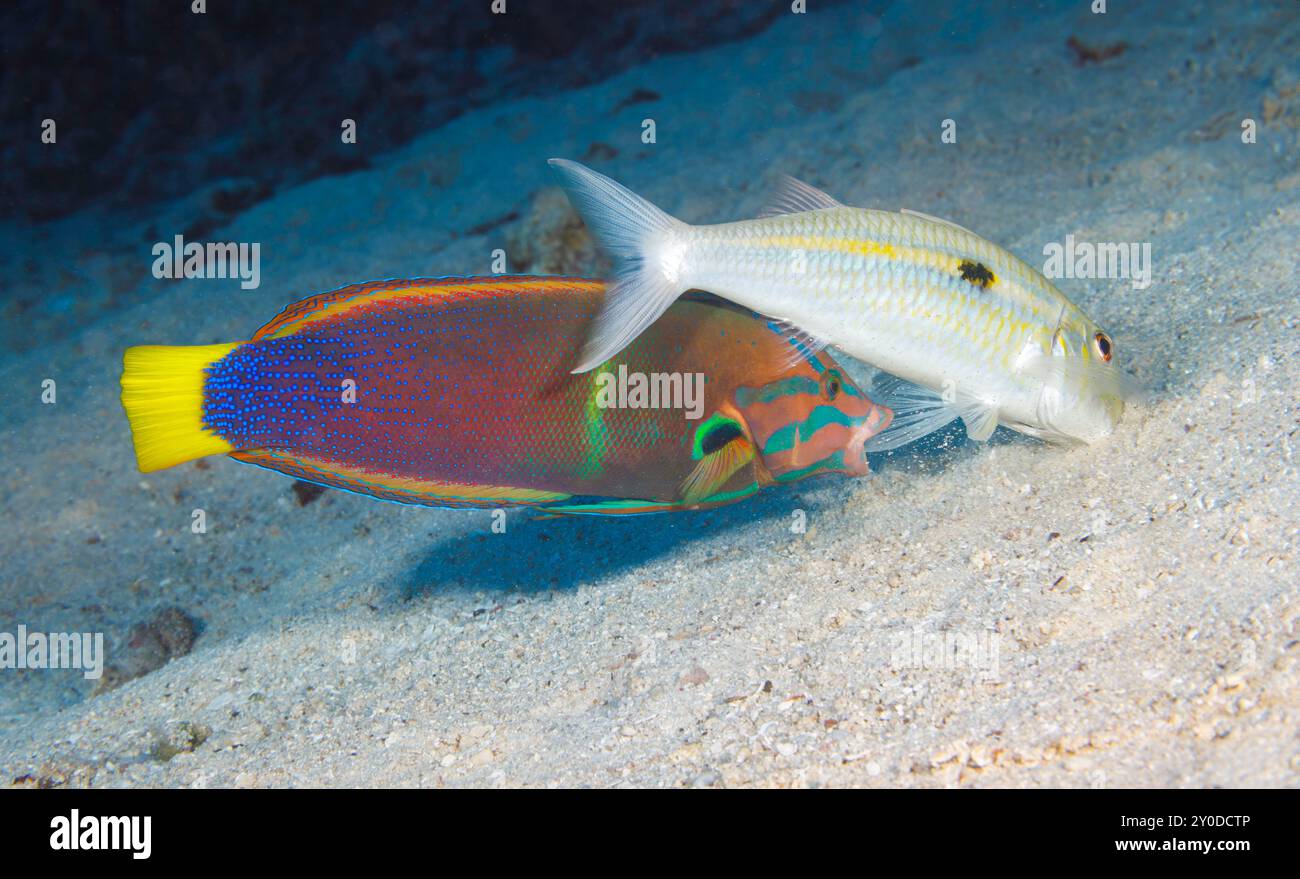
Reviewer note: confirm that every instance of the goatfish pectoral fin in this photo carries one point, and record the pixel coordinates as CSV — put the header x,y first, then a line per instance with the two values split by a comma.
x,y
400,489
920,411
162,393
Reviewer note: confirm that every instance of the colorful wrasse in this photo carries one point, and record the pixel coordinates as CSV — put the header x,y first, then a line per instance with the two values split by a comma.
x,y
457,392
971,330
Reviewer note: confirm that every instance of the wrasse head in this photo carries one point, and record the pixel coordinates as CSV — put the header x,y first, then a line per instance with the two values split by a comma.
x,y
813,420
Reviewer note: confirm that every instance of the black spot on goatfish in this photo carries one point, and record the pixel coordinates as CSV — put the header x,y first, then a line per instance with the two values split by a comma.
x,y
976,273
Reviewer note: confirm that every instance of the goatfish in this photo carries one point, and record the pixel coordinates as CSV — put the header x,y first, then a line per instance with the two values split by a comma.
x,y
964,328
458,392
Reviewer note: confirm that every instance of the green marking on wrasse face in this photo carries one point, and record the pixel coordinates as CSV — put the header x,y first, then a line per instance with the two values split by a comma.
x,y
783,439
831,462
797,384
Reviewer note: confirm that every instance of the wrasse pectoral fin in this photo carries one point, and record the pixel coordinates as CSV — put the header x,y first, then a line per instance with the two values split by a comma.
x,y
634,232
715,468
794,196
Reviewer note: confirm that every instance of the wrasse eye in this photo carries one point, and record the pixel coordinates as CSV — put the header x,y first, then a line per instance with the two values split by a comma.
x,y
1104,346
831,384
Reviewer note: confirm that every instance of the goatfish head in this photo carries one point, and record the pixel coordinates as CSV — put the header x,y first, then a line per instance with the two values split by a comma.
x,y
1079,390
814,419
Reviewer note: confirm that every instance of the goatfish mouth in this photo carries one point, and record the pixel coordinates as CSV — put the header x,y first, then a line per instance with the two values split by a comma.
x,y
918,297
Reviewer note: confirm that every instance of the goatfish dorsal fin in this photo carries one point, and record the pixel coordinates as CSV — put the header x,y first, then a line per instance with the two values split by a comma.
x,y
793,196
426,492
336,303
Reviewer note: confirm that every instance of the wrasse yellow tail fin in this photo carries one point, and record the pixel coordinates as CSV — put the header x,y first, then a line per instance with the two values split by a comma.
x,y
162,393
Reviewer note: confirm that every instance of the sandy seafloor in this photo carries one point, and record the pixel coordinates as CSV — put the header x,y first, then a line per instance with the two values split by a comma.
x,y
1143,591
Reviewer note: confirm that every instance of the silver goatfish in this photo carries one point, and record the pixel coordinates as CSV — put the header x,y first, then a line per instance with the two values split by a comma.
x,y
966,329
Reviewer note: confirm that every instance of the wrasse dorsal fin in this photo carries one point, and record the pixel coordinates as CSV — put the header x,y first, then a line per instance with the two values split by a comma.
x,y
335,304
803,344
793,196
933,219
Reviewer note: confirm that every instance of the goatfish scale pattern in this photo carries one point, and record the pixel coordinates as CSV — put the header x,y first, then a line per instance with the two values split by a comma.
x,y
988,336
457,392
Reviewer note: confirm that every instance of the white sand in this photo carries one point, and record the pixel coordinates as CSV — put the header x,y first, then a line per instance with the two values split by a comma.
x,y
1142,592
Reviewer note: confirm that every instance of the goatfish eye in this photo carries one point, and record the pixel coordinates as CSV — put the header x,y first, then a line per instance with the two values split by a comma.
x,y
1104,346
832,382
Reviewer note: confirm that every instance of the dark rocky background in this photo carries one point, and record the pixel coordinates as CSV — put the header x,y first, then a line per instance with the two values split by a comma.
x,y
153,101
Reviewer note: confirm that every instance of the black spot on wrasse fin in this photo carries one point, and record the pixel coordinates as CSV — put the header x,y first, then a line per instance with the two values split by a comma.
x,y
719,436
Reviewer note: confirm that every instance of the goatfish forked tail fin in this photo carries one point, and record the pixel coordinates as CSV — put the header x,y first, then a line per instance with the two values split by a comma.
x,y
162,393
646,244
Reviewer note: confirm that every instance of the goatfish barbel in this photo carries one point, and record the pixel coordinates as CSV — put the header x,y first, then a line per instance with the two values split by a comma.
x,y
457,392
966,329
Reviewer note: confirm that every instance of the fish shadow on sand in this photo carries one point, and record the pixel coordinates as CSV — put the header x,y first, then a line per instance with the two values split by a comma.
x,y
567,552
935,453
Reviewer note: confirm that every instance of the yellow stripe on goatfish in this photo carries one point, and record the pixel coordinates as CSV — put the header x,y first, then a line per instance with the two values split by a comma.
x,y
864,247
855,246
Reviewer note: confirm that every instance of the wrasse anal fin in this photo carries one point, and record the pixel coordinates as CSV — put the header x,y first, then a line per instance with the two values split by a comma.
x,y
621,507
424,492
